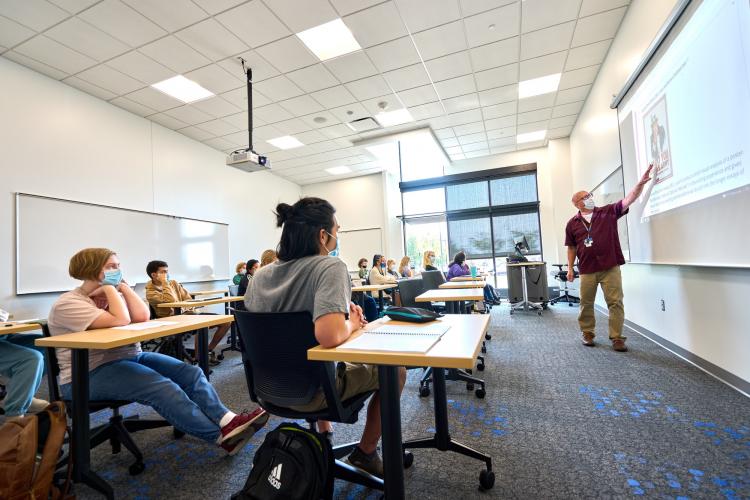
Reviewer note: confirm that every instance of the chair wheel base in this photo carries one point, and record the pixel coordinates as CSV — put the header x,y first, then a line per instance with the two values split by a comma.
x,y
408,459
480,393
486,480
480,367
136,468
469,386
424,392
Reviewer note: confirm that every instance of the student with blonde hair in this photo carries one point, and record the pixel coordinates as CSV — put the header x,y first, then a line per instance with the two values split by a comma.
x,y
428,261
267,257
404,269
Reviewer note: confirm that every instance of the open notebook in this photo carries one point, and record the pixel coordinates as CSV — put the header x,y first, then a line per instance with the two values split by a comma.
x,y
399,338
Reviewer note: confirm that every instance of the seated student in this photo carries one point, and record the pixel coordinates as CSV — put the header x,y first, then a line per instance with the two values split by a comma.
x,y
362,265
460,268
240,269
391,268
268,257
252,266
161,290
378,273
179,392
428,261
404,269
306,278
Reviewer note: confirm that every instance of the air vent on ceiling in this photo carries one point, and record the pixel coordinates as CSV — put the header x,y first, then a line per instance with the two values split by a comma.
x,y
363,124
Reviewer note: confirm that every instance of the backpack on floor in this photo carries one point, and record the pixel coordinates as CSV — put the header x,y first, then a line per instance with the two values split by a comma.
x,y
22,475
293,463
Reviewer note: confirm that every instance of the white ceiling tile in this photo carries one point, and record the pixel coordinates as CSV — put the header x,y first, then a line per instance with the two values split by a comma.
x,y
336,131
547,40
536,102
530,145
302,105
556,133
175,54
89,88
212,40
172,15
287,54
189,114
272,113
333,97
420,15
407,78
311,137
220,144
301,17
498,95
278,88
367,88
456,86
267,132
216,107
461,103
578,77
453,149
502,123
469,128
153,99
463,117
140,67
417,96
289,127
238,138
499,133
497,77
218,127
134,107
534,116
238,97
330,119
563,121
542,66
499,110
598,27
572,95
532,126
52,53
501,150
450,66
313,78
471,7
457,157
477,154
593,6
587,55
441,41
375,106
475,146
502,142
254,24
493,25
425,111
239,120
572,108
394,54
110,79
351,67
167,121
538,14
122,22
215,6
74,6
450,142
12,33
495,54
345,7
215,78
444,133
262,69
35,14
376,25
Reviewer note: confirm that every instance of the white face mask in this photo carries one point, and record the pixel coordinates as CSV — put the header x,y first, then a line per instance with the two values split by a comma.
x,y
432,259
589,204
243,271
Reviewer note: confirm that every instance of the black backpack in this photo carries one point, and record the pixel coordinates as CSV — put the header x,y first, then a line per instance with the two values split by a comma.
x,y
292,463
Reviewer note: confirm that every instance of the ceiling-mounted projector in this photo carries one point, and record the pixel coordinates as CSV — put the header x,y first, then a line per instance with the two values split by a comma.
x,y
247,159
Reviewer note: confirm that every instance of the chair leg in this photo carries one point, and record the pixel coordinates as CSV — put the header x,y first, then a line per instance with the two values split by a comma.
x,y
343,450
134,424
350,474
454,374
471,453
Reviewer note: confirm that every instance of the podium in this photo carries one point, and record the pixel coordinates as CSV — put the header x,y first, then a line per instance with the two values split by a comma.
x,y
527,286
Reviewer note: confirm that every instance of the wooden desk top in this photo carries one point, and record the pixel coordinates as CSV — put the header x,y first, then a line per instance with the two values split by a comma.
x,y
458,347
11,327
441,295
374,288
524,264
209,292
109,338
463,284
478,277
202,303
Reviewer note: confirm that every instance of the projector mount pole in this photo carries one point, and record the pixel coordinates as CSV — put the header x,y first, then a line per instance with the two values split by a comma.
x,y
249,74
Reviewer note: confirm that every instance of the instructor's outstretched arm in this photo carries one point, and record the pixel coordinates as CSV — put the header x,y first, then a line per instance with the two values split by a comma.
x,y
636,192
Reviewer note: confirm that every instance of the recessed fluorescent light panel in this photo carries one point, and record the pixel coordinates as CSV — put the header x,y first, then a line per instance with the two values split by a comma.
x,y
329,40
539,86
183,89
285,142
397,117
339,170
537,135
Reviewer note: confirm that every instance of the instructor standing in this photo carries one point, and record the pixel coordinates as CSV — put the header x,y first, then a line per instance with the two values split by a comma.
x,y
591,235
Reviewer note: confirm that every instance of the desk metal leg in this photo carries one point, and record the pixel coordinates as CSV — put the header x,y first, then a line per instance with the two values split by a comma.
x,y
81,433
202,350
390,420
382,302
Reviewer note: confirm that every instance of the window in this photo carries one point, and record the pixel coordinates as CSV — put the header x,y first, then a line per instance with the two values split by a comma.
x,y
426,233
507,227
469,195
470,234
512,190
426,201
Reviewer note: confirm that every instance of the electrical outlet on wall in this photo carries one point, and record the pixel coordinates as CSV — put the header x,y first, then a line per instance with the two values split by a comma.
x,y
663,305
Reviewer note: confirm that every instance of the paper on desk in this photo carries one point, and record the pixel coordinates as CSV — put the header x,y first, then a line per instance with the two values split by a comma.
x,y
145,326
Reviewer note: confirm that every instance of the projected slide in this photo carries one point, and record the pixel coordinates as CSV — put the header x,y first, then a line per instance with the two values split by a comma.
x,y
690,116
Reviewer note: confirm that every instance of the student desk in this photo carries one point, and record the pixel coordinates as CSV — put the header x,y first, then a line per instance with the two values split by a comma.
x,y
199,293
109,338
463,284
458,348
451,297
179,306
374,288
469,278
10,327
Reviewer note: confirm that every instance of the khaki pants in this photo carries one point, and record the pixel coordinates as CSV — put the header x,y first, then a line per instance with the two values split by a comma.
x,y
351,379
611,282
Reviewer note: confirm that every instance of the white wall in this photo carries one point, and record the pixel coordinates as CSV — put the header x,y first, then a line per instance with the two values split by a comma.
x,y
58,141
705,308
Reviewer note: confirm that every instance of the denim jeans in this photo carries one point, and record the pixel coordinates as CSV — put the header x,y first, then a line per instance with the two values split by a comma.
x,y
179,392
23,364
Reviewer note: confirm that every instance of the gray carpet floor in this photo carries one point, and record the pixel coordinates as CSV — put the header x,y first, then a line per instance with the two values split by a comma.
x,y
560,420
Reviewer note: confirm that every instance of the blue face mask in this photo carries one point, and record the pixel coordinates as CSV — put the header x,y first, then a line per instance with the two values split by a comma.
x,y
335,251
112,277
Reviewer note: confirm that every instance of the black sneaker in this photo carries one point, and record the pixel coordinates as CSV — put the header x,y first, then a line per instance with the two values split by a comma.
x,y
371,463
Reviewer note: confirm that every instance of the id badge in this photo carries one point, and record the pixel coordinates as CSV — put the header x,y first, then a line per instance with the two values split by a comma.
x,y
588,242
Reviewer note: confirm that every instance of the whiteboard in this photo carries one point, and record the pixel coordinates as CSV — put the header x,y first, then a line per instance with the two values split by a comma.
x,y
49,231
610,190
359,243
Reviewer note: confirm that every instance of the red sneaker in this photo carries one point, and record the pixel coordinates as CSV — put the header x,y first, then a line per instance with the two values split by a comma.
x,y
244,423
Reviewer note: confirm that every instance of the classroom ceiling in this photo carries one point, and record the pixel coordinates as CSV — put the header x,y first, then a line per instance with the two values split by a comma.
x,y
454,64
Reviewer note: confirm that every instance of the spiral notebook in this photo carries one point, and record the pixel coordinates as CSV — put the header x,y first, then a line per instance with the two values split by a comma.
x,y
399,338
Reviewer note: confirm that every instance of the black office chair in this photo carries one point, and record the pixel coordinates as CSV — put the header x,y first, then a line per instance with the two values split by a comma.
x,y
409,289
279,375
117,431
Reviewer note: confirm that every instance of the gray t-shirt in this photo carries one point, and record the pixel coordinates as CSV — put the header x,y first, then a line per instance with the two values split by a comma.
x,y
318,284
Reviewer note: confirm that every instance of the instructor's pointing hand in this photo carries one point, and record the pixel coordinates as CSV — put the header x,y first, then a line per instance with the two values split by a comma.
x,y
646,175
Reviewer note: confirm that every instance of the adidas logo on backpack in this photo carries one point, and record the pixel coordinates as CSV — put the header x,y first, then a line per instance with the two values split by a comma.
x,y
275,477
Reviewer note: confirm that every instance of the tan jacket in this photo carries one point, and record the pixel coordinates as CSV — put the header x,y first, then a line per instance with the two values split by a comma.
x,y
377,278
171,292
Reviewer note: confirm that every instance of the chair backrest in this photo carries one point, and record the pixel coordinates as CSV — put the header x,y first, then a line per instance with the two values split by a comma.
x,y
275,345
432,279
409,289
234,290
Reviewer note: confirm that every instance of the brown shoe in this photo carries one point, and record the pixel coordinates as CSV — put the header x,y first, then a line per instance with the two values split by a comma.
x,y
588,339
619,345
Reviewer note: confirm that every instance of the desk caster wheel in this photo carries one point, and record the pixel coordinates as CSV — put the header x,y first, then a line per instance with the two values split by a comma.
x,y
570,304
486,479
469,386
220,357
484,349
539,313
408,459
468,370
177,434
480,367
424,392
136,468
480,393
488,336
